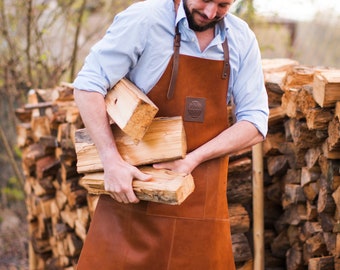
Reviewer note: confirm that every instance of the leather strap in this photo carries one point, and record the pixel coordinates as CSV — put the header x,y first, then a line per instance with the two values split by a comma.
x,y
226,65
174,73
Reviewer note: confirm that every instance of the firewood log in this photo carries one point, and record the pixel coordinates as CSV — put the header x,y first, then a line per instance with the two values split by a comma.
x,y
241,248
165,186
130,109
321,263
165,140
326,87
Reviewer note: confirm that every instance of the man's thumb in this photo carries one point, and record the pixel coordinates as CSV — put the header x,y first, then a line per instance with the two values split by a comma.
x,y
143,176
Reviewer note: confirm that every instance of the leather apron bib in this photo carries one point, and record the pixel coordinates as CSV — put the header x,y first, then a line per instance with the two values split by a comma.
x,y
194,235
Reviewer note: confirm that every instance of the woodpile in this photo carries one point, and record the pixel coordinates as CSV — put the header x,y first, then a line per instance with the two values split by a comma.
x,y
302,166
301,172
58,207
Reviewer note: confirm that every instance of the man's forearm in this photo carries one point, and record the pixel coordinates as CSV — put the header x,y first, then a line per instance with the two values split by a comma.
x,y
93,112
239,136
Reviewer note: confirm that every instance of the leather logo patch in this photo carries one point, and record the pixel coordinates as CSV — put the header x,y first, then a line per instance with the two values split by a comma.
x,y
194,109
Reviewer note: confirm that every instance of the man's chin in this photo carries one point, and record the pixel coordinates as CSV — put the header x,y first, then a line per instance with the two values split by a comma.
x,y
201,28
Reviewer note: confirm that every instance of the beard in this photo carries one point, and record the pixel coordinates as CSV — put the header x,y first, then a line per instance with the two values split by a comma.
x,y
191,21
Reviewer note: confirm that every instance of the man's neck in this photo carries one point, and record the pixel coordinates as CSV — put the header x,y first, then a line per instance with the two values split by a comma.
x,y
205,37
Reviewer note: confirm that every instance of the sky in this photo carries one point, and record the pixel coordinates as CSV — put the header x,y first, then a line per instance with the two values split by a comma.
x,y
296,9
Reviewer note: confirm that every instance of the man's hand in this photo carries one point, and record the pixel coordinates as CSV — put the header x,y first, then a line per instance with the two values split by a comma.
x,y
185,165
118,179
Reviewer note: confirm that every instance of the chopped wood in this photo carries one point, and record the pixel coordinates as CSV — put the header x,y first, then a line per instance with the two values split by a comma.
x,y
277,64
312,156
299,75
318,118
289,103
309,175
239,219
276,115
165,140
294,258
130,109
321,263
326,87
241,247
165,186
336,198
305,100
274,82
40,127
272,143
301,174
326,203
337,110
277,165
292,194
333,140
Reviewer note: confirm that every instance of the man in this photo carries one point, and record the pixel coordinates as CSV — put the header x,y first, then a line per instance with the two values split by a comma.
x,y
180,53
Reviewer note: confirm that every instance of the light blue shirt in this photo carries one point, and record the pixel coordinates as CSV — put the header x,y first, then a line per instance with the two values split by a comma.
x,y
139,44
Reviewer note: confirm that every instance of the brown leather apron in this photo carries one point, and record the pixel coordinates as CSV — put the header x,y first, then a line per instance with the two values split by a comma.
x,y
196,234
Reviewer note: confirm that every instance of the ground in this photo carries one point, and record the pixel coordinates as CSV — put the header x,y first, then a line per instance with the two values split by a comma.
x,y
13,238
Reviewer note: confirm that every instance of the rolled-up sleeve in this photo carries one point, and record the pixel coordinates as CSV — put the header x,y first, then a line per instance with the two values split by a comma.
x,y
248,91
115,54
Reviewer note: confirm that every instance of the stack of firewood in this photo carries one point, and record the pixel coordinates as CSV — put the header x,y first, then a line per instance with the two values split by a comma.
x,y
301,172
302,166
58,156
58,207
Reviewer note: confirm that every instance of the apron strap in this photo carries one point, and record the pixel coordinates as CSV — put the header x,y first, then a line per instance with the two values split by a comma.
x,y
226,65
177,44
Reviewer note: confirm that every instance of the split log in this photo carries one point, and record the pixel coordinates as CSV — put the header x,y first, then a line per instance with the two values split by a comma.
x,y
333,140
318,118
292,194
326,87
309,175
303,137
312,156
311,211
294,155
165,186
239,219
277,165
314,246
299,75
311,190
24,134
336,198
325,201
309,229
276,117
337,110
130,109
289,103
295,214
278,64
40,127
292,176
274,82
321,263
280,245
165,140
272,143
241,248
305,100
294,259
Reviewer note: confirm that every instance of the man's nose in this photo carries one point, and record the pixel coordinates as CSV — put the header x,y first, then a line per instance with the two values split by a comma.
x,y
210,10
